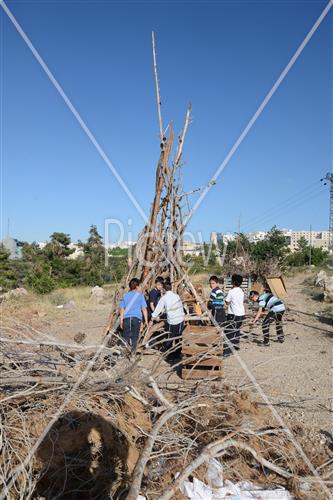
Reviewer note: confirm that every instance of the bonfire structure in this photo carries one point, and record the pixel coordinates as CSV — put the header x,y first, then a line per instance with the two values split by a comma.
x,y
159,252
82,421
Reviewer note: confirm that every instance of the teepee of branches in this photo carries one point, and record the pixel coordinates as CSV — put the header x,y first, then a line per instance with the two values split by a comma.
x,y
159,249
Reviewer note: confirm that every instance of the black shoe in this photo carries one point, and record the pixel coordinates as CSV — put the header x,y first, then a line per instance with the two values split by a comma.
x,y
281,341
266,344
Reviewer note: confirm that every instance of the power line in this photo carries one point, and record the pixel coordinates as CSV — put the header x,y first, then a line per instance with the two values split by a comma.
x,y
304,190
287,207
329,178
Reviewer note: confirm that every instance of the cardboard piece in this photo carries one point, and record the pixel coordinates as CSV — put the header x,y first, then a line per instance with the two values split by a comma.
x,y
257,287
277,286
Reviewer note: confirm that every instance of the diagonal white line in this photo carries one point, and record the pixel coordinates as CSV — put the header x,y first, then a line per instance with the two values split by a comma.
x,y
120,180
73,110
260,110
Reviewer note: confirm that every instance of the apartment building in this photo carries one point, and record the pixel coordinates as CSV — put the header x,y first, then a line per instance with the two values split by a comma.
x,y
317,239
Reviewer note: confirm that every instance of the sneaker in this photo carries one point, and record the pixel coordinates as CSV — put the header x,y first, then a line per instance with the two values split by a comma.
x,y
266,344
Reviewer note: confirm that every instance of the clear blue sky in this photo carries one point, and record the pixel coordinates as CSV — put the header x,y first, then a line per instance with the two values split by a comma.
x,y
222,56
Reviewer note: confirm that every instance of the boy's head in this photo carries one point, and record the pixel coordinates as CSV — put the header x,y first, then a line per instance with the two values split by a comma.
x,y
213,282
167,286
254,295
236,280
134,284
159,282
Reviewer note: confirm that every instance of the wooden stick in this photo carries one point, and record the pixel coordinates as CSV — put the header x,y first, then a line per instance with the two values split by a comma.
x,y
158,97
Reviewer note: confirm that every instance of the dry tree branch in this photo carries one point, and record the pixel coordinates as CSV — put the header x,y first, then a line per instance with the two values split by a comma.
x,y
158,97
212,450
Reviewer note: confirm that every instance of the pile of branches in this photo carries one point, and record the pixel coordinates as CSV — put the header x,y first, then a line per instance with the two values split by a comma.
x,y
97,422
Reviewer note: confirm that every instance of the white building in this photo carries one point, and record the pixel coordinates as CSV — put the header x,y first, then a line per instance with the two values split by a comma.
x,y
256,236
121,244
192,248
317,239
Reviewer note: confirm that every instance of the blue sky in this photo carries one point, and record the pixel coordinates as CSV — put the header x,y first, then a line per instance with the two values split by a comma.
x,y
222,56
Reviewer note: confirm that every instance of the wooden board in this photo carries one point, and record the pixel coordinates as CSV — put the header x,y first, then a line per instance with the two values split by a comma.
x,y
211,361
277,286
257,287
199,349
188,374
198,341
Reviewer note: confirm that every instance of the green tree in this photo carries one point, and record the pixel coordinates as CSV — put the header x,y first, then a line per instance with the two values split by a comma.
x,y
40,280
117,263
301,257
8,274
94,270
273,246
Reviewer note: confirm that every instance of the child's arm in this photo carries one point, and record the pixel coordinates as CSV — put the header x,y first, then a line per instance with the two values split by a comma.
x,y
259,314
145,315
158,309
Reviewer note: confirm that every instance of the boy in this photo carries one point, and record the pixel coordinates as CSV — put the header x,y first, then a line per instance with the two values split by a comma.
x,y
132,307
275,307
155,295
236,313
216,300
173,306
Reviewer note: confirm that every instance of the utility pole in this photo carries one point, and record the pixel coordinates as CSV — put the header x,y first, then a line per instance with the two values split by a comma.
x,y
329,178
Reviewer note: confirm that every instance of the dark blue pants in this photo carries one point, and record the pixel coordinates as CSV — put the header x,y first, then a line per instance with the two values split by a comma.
x,y
175,331
232,332
132,331
270,318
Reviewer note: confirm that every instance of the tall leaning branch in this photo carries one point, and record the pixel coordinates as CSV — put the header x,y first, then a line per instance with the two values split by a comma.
x,y
158,97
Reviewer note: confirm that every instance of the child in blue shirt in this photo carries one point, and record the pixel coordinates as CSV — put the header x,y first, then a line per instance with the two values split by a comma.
x,y
132,308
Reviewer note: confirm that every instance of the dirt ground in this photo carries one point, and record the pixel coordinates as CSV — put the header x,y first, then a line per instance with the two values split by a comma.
x,y
295,376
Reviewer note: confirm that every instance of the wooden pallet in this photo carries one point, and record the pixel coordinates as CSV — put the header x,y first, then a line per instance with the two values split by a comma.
x,y
246,285
202,352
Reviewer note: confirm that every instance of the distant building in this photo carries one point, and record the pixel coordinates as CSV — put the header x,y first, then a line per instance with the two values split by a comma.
x,y
120,244
78,251
216,238
317,239
192,248
14,246
256,236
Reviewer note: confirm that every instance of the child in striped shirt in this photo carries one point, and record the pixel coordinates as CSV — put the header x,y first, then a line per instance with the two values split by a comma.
x,y
216,300
275,309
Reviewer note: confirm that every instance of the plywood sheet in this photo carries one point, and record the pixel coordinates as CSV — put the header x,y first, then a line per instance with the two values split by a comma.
x,y
277,286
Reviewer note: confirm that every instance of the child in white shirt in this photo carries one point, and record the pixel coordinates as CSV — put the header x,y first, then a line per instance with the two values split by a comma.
x,y
235,315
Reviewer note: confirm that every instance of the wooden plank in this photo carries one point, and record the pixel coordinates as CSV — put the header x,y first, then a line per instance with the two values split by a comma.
x,y
200,328
218,362
277,286
197,349
200,374
195,338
